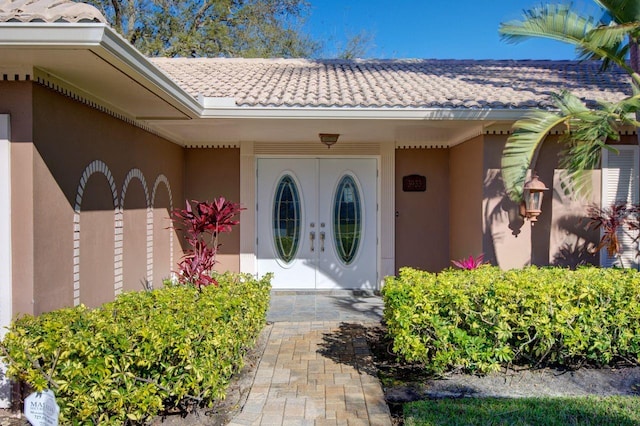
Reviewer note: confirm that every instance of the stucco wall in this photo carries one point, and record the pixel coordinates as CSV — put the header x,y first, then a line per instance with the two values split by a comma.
x,y
506,236
422,218
559,236
466,186
86,165
211,173
16,100
570,243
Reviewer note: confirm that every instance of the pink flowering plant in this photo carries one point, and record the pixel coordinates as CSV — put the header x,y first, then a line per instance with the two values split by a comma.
x,y
202,222
470,262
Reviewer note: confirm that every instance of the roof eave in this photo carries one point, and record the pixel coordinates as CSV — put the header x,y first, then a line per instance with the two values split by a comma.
x,y
106,43
123,51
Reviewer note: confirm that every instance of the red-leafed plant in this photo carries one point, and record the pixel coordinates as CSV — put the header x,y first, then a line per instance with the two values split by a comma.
x,y
470,263
202,222
612,221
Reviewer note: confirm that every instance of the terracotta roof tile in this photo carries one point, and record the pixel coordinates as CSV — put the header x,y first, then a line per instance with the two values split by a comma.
x,y
393,83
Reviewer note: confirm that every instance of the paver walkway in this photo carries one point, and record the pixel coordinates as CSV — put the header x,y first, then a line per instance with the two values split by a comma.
x,y
316,371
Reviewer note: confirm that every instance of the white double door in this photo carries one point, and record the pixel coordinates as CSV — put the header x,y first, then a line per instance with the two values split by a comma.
x,y
317,222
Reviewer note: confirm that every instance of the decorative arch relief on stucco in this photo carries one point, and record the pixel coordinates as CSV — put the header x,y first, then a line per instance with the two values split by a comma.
x,y
96,166
134,173
100,167
161,179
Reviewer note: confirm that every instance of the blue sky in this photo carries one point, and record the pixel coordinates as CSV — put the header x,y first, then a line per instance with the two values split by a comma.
x,y
462,29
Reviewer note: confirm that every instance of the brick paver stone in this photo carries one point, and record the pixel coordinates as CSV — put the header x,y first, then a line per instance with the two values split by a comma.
x,y
315,373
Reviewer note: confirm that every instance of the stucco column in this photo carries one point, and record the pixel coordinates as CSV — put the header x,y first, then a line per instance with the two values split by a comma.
x,y
5,247
248,216
22,229
387,211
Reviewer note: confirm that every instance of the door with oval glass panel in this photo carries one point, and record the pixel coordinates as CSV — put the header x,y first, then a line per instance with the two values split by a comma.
x,y
317,222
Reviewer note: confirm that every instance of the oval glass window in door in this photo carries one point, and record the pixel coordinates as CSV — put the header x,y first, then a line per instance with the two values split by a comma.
x,y
347,219
286,219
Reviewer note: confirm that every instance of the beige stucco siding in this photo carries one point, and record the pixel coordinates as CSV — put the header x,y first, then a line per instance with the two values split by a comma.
x,y
15,100
422,218
92,194
211,173
506,236
466,187
541,233
82,159
559,236
569,240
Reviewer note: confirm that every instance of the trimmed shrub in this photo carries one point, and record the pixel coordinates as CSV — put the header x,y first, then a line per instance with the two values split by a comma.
x,y
480,320
174,348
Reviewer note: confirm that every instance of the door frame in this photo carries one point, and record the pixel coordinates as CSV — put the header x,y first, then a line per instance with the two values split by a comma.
x,y
385,217
6,284
365,178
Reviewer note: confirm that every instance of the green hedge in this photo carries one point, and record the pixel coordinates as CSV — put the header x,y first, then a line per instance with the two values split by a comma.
x,y
145,352
486,318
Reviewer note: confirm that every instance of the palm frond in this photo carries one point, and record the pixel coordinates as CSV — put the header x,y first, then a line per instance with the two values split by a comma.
x,y
607,43
604,54
587,133
562,23
611,35
556,22
627,109
581,156
587,130
623,11
528,135
568,103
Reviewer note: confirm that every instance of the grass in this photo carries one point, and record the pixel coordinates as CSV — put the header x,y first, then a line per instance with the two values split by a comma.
x,y
587,411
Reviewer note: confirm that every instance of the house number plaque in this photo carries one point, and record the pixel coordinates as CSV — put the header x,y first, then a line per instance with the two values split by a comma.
x,y
414,183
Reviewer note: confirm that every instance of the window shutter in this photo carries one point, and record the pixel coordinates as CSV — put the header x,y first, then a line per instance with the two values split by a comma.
x,y
620,184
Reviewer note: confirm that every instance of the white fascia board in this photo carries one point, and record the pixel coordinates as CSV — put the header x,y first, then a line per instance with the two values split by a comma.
x,y
443,114
121,49
107,44
48,35
217,102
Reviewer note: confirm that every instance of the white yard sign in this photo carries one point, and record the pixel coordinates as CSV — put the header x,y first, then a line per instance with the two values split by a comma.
x,y
5,387
41,409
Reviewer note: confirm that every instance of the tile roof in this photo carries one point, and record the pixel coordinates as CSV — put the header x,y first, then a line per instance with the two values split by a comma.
x,y
464,84
48,11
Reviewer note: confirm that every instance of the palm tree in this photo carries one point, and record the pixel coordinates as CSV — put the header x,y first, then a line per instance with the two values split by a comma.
x,y
610,39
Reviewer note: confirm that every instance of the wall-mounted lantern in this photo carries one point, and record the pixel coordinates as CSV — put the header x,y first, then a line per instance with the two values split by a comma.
x,y
329,138
532,194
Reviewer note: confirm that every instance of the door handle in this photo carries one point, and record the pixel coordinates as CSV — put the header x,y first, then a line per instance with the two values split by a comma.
x,y
322,241
312,237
